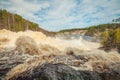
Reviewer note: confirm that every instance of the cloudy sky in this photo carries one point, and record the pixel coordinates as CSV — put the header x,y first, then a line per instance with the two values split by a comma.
x,y
55,15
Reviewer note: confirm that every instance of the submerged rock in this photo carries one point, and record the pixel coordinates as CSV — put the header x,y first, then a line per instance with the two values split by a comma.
x,y
63,72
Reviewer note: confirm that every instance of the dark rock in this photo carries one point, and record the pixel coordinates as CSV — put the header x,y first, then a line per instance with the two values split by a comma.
x,y
64,72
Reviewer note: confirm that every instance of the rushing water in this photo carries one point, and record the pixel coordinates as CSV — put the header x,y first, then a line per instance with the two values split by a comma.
x,y
74,53
77,36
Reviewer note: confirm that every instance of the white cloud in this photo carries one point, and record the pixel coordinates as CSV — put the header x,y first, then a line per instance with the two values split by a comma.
x,y
61,14
25,8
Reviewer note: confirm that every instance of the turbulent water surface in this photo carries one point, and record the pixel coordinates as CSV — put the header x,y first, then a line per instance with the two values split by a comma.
x,y
31,55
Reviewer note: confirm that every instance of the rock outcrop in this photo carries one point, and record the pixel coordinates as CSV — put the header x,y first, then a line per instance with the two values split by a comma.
x,y
63,72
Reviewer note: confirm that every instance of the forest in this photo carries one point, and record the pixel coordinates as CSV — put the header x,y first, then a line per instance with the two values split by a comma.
x,y
15,22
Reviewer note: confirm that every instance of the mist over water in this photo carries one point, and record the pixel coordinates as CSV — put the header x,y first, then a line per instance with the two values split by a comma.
x,y
78,37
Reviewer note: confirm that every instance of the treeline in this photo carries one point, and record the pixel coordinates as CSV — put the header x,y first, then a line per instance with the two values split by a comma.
x,y
97,30
111,39
109,35
15,22
70,30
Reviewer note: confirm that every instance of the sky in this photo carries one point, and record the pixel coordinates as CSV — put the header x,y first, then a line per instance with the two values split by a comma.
x,y
55,15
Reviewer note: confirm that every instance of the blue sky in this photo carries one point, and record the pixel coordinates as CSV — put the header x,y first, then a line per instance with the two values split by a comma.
x,y
55,15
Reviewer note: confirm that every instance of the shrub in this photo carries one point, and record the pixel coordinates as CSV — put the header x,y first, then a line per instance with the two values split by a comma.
x,y
105,36
111,39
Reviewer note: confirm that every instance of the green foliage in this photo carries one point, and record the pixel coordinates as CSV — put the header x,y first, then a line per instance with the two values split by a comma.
x,y
3,14
70,30
111,39
15,22
117,36
116,20
91,30
105,37
101,28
